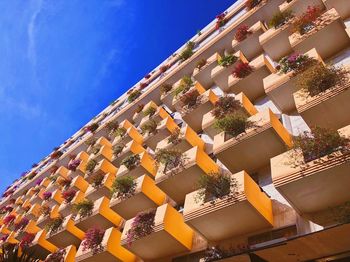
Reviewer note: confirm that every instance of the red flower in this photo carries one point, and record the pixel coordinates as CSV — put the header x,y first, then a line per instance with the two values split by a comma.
x,y
242,70
147,76
242,33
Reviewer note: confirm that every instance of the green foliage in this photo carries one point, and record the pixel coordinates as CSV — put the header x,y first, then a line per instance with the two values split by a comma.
x,y
54,225
150,127
226,105
119,132
187,52
11,253
170,158
124,187
90,166
201,63
117,149
165,88
131,161
227,60
280,18
233,124
185,84
295,62
150,111
134,95
84,208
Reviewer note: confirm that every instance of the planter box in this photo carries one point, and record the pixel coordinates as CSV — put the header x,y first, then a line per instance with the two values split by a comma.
x,y
146,196
145,166
250,211
341,6
188,139
130,148
112,250
55,199
209,120
101,215
178,182
170,236
131,134
105,152
253,149
329,26
280,87
314,186
65,209
40,246
251,46
203,75
252,85
326,109
220,74
104,190
44,220
159,115
79,183
67,234
298,7
70,254
102,168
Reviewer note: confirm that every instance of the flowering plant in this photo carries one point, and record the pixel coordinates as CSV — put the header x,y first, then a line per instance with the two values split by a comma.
x,y
143,85
93,240
226,105
38,182
190,98
47,195
56,154
8,220
242,33
163,68
84,208
220,20
131,161
73,164
134,95
92,128
124,187
150,127
306,21
27,240
57,256
97,180
227,60
54,225
21,224
242,70
141,226
295,62
68,195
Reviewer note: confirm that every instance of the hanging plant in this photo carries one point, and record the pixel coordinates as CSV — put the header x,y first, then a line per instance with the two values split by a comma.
x,y
90,166
97,180
233,124
170,158
242,70
226,105
131,161
174,138
134,95
93,240
54,225
220,20
320,142
227,60
295,62
305,22
141,226
68,195
319,78
279,19
150,111
185,84
215,186
124,187
242,33
149,127
73,164
21,224
57,256
187,52
84,208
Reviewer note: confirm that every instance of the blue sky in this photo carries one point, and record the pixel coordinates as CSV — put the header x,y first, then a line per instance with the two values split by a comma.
x,y
62,62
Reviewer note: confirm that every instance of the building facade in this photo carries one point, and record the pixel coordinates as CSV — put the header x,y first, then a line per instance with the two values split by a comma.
x,y
236,148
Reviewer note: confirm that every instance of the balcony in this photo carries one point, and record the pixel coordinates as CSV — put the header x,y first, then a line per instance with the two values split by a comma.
x,y
101,168
250,46
220,74
95,192
79,183
203,75
169,236
101,215
193,114
145,196
177,101
253,149
37,197
105,152
341,6
146,165
158,115
67,234
185,139
111,250
34,212
328,26
208,121
252,85
70,253
131,133
80,170
55,199
279,87
313,186
130,148
298,7
249,211
43,220
330,241
181,180
40,246
66,209
325,109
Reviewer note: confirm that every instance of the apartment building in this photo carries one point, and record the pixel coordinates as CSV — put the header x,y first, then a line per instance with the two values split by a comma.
x,y
236,148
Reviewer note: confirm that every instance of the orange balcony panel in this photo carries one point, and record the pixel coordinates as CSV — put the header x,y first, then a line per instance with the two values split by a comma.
x,y
40,246
55,199
68,234
182,180
94,193
329,26
341,6
208,121
220,74
249,211
63,172
203,75
251,46
252,85
66,209
187,139
112,250
34,212
101,215
130,148
131,134
253,149
298,7
326,109
146,196
37,198
102,168
314,186
170,236
79,183
280,87
105,152
330,241
167,99
103,142
146,165
44,220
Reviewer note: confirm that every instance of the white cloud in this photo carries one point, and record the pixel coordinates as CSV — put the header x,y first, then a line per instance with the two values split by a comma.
x,y
31,31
